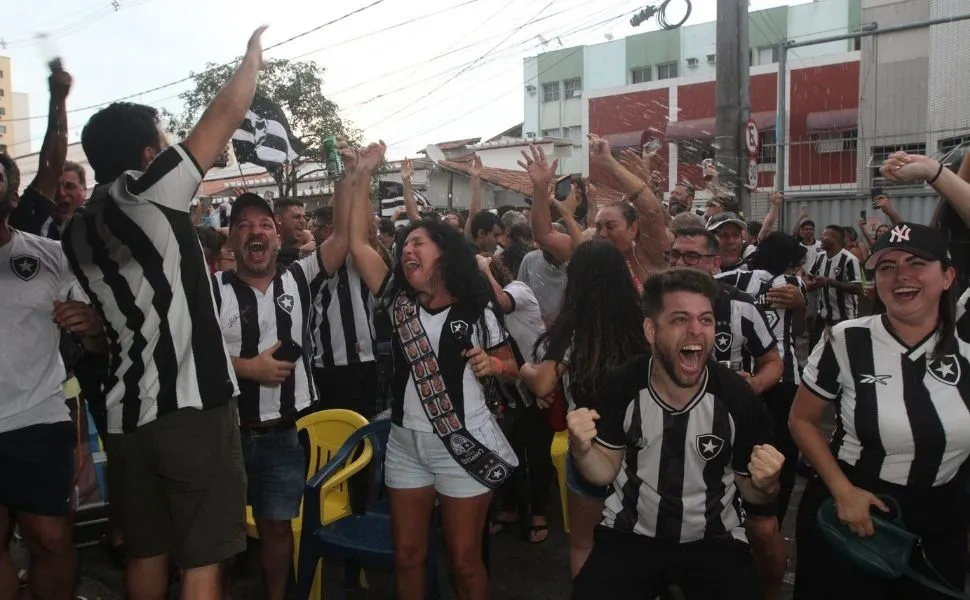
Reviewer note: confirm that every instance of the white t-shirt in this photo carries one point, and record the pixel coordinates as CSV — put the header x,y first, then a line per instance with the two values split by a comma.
x,y
33,274
476,411
525,322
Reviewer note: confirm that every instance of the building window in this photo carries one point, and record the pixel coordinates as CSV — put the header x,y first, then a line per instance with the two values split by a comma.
x,y
1,74
574,133
551,133
3,129
573,88
550,92
667,71
767,148
1,92
641,74
3,111
951,149
3,147
881,153
694,151
767,55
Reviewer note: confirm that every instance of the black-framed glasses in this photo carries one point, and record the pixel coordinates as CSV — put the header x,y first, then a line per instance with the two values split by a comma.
x,y
690,258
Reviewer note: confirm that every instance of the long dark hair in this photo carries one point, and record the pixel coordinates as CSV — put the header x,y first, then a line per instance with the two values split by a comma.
x,y
600,318
947,327
457,267
777,253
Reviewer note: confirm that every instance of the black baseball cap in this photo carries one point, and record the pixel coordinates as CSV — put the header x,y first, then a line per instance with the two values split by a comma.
x,y
925,242
245,201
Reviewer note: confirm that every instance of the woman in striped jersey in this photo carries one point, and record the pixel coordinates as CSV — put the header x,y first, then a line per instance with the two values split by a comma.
x,y
900,383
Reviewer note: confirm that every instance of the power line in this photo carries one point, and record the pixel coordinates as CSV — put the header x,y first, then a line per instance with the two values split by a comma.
x,y
194,75
69,27
472,64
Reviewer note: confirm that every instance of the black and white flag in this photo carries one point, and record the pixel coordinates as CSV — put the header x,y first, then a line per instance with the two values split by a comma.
x,y
264,137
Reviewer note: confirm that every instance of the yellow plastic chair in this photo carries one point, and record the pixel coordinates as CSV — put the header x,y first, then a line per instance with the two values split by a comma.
x,y
559,451
326,430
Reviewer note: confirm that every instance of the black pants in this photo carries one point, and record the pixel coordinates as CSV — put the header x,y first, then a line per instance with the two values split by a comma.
x,y
531,438
778,400
636,567
353,387
938,515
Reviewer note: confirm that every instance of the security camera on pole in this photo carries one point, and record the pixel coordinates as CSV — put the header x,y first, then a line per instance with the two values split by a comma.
x,y
751,140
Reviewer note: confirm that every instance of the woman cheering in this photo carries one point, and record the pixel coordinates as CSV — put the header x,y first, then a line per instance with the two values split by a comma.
x,y
900,382
449,346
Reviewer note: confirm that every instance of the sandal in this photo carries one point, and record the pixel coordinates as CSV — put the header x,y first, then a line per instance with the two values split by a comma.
x,y
538,529
498,525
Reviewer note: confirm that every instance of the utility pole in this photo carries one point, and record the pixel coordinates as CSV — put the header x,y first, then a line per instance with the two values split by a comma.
x,y
732,102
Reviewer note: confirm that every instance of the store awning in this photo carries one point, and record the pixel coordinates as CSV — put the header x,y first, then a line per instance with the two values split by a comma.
x,y
832,120
698,129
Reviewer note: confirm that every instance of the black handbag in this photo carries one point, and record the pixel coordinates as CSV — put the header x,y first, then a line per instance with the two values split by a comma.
x,y
888,554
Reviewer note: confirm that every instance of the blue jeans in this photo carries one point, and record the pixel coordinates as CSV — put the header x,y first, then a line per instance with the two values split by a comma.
x,y
276,470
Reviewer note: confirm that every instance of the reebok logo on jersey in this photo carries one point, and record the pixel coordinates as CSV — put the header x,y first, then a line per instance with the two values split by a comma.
x,y
945,369
25,267
900,233
874,379
708,445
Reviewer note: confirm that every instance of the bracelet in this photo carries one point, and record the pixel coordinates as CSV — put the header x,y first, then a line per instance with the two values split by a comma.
x,y
937,176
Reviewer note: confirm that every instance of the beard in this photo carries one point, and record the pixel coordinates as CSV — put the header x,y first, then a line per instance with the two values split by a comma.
x,y
6,206
669,357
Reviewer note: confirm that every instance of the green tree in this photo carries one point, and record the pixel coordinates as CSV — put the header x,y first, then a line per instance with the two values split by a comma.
x,y
297,88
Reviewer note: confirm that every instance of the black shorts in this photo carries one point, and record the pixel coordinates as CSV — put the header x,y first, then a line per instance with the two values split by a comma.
x,y
178,486
37,469
627,565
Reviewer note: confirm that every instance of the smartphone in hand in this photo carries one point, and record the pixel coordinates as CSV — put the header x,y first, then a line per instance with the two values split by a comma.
x,y
289,351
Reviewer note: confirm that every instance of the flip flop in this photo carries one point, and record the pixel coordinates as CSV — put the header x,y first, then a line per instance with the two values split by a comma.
x,y
537,529
502,525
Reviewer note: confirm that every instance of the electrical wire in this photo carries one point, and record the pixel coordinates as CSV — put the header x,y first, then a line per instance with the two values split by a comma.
x,y
662,15
194,75
58,31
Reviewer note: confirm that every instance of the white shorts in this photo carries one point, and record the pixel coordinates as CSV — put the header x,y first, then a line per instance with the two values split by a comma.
x,y
416,459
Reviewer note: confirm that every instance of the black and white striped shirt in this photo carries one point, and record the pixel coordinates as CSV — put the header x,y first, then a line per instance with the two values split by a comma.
x,y
677,480
758,283
903,412
137,256
835,305
742,331
253,321
341,323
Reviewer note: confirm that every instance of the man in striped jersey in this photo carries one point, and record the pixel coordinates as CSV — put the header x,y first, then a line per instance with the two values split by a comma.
x,y
838,279
679,437
263,310
174,458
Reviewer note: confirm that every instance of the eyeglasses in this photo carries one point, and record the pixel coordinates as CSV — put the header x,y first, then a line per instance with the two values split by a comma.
x,y
690,258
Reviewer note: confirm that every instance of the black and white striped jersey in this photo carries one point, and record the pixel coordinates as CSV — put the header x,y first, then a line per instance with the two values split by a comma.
x,y
758,284
902,412
742,331
253,320
677,480
835,305
137,256
341,322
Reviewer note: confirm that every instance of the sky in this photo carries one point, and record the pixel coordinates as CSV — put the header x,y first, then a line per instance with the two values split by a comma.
x,y
410,73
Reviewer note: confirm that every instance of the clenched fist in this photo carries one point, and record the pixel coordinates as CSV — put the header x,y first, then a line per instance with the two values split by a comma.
x,y
582,430
765,467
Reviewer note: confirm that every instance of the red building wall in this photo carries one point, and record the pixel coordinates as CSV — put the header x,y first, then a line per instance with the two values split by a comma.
x,y
830,87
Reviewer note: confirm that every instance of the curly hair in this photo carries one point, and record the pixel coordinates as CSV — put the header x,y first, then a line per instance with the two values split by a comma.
x,y
600,319
12,174
778,253
457,267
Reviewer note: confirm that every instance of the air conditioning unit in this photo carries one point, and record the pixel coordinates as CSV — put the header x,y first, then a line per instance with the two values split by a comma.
x,y
576,94
530,135
692,63
711,59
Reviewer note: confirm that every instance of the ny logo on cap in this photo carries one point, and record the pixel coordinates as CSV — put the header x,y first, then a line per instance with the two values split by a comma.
x,y
899,234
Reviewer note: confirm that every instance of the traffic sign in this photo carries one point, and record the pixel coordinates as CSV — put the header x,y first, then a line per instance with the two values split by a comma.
x,y
752,174
751,138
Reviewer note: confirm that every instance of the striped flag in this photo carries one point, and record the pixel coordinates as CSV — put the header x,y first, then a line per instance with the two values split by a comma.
x,y
264,137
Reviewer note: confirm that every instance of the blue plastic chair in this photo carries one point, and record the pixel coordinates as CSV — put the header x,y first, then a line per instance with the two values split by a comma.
x,y
363,538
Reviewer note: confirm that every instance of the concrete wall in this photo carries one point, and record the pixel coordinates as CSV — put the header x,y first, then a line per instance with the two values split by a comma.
x,y
697,42
6,108
492,197
820,19
530,74
604,65
949,63
19,132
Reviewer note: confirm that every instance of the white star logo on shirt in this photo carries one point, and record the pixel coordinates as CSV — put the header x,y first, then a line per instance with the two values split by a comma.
x,y
945,369
722,342
708,445
286,302
25,267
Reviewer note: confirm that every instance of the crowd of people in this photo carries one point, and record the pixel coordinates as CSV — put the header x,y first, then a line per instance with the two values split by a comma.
x,y
664,341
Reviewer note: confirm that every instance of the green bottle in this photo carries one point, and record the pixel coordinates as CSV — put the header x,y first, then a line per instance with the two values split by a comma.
x,y
335,162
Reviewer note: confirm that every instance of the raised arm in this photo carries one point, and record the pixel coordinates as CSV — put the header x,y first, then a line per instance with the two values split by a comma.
x,y
768,225
368,261
407,171
226,111
53,151
333,251
475,205
541,172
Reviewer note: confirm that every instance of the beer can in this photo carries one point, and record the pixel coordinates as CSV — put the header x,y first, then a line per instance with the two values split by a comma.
x,y
335,162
